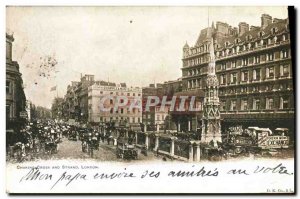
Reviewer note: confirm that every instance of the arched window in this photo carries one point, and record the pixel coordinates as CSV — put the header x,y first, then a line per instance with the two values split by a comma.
x,y
274,30
249,37
261,33
269,41
283,37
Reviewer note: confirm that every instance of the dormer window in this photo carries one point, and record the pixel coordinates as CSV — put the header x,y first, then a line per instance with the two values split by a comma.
x,y
248,37
249,45
274,30
237,40
283,37
226,43
227,51
260,34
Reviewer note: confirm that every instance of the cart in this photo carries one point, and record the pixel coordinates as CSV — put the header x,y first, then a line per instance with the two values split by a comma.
x,y
125,150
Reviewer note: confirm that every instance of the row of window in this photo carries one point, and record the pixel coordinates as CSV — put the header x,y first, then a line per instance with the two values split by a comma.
x,y
256,74
122,110
118,119
253,60
255,88
284,71
196,61
121,94
8,87
249,46
270,56
271,40
256,105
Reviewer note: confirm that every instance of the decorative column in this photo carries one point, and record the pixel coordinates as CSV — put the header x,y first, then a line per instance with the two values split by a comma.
x,y
178,127
157,128
136,137
172,146
189,125
156,142
198,152
146,140
211,125
145,128
191,152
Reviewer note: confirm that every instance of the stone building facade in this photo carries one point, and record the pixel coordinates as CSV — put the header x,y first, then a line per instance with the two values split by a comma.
x,y
254,69
15,96
107,95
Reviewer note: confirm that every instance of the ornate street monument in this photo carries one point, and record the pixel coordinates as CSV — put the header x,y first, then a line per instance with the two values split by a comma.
x,y
211,127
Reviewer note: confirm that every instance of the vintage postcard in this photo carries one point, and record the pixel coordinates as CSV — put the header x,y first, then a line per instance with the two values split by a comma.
x,y
150,100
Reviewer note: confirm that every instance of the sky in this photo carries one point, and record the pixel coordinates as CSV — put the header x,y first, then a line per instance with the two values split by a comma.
x,y
135,45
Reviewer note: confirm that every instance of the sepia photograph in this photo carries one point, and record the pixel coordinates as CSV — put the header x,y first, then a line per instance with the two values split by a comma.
x,y
150,99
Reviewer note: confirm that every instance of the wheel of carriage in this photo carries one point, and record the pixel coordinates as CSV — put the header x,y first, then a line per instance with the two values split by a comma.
x,y
135,156
55,150
238,150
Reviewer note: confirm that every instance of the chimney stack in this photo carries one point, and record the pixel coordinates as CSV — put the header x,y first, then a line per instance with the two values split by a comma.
x,y
243,27
254,27
265,20
275,20
235,31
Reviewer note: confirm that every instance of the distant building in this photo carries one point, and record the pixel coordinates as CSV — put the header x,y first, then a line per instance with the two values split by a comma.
x,y
110,92
29,107
71,102
81,101
15,96
57,108
150,116
254,69
163,117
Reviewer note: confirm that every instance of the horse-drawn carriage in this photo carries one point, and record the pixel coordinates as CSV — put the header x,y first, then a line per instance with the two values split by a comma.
x,y
51,146
90,142
72,135
126,150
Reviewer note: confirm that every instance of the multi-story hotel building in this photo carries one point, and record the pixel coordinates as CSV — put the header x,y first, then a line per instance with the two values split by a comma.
x,y
254,69
107,95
